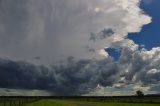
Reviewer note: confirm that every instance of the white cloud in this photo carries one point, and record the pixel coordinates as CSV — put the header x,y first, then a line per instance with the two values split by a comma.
x,y
103,53
153,71
98,9
55,30
119,91
142,88
22,92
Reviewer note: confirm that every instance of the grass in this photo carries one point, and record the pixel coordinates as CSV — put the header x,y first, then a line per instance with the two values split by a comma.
x,y
81,101
50,102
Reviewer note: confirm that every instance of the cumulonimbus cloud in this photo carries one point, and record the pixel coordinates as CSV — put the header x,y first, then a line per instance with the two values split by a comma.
x,y
55,30
50,31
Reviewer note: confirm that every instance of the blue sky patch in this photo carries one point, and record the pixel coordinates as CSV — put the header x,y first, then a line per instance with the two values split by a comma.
x,y
150,34
114,53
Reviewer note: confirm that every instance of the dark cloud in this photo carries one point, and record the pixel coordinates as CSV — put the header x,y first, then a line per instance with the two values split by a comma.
x,y
93,37
37,57
106,33
73,78
80,77
101,35
23,75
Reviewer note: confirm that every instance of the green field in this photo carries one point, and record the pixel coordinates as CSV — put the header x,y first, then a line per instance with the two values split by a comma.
x,y
80,101
52,102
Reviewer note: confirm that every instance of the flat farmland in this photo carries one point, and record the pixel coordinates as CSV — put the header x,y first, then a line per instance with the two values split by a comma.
x,y
84,103
80,101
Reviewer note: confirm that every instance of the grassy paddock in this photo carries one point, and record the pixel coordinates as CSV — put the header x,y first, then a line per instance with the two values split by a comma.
x,y
50,102
80,101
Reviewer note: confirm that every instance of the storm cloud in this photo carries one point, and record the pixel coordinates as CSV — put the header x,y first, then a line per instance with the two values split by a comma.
x,y
139,67
72,78
58,46
57,29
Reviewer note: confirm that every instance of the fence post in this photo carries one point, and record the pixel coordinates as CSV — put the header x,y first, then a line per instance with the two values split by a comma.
x,y
14,102
10,101
4,101
19,102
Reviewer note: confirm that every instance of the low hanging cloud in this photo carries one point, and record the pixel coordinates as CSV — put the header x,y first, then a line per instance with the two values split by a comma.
x,y
139,68
71,36
72,78
22,92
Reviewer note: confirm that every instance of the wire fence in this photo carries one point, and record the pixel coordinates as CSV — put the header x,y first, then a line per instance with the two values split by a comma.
x,y
17,101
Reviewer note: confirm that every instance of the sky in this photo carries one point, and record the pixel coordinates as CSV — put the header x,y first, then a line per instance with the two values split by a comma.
x,y
149,36
79,47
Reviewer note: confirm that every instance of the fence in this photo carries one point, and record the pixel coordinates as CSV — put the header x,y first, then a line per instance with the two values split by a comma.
x,y
17,101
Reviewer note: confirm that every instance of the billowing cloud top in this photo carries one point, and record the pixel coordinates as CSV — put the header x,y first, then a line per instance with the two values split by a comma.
x,y
71,35
56,29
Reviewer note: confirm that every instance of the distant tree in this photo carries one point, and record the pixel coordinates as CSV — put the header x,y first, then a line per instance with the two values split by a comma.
x,y
139,93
